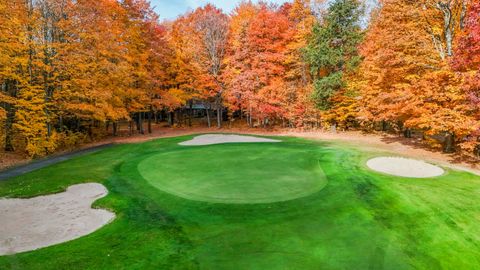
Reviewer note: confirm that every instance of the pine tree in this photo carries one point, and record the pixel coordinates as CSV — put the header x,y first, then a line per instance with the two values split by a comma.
x,y
332,49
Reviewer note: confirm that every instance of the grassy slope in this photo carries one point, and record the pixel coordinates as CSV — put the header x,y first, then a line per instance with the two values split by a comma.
x,y
359,220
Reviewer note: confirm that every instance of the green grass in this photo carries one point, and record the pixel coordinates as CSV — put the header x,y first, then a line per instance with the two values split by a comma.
x,y
359,220
240,173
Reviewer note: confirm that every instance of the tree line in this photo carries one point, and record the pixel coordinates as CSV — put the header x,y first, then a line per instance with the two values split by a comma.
x,y
68,69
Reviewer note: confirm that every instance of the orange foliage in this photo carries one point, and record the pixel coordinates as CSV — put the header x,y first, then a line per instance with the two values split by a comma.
x,y
66,66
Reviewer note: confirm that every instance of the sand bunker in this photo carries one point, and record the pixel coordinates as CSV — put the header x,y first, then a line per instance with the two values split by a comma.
x,y
404,167
29,224
209,139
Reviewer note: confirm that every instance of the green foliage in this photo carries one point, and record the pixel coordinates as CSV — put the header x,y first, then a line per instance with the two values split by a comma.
x,y
325,88
332,50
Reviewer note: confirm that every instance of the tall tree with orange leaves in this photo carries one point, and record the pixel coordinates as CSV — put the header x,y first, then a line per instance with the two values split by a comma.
x,y
268,36
239,77
211,32
396,51
23,79
95,86
66,67
183,72
405,81
200,39
12,58
266,76
444,19
300,107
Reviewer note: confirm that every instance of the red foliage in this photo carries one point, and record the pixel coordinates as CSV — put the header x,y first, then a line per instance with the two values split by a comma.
x,y
468,48
467,57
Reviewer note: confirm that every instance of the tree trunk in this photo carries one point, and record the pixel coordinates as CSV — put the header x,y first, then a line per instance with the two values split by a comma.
x,y
333,127
49,128
137,121
448,25
90,131
171,117
9,128
150,122
449,40
218,102
407,133
178,117
190,113
476,151
463,14
207,110
114,128
249,119
60,123
449,145
140,122
219,116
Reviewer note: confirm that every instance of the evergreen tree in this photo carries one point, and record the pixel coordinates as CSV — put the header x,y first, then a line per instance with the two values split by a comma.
x,y
332,49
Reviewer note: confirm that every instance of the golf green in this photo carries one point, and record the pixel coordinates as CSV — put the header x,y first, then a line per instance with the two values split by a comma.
x,y
244,173
296,204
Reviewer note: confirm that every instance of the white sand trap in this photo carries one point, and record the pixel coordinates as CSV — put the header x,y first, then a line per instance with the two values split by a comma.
x,y
29,224
209,139
404,167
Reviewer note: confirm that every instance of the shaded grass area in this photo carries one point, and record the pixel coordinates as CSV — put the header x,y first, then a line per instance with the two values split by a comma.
x,y
359,220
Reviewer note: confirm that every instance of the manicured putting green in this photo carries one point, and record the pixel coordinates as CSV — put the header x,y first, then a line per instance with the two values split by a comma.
x,y
236,173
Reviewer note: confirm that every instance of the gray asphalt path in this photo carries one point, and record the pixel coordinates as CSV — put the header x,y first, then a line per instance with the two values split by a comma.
x,y
41,163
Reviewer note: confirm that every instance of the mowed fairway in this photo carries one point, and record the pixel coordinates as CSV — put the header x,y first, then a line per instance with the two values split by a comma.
x,y
296,204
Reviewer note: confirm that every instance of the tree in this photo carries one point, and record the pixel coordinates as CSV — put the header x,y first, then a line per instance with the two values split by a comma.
x,y
157,66
22,80
68,66
13,59
445,18
211,29
467,52
396,51
300,108
238,76
439,106
405,80
95,86
187,79
332,50
467,61
199,39
266,76
267,38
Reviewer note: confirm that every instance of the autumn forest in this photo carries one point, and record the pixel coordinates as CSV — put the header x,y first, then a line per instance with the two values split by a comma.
x,y
72,71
